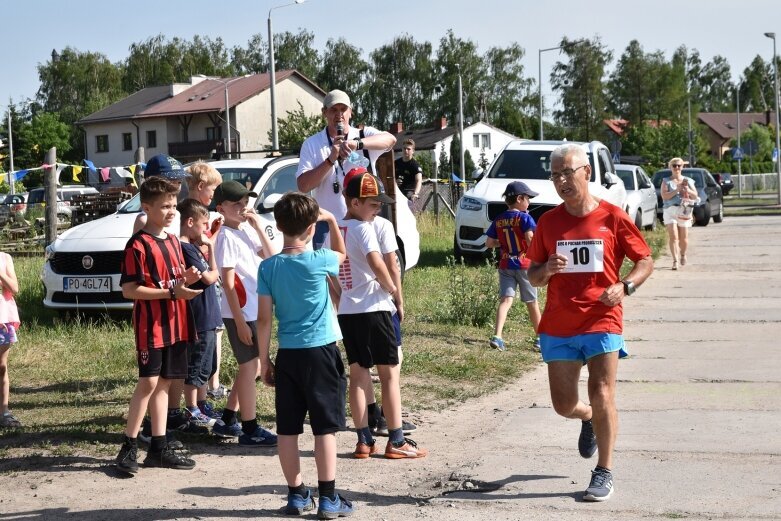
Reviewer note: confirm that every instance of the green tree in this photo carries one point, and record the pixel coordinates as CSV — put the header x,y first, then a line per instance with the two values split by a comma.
x,y
296,127
657,144
402,73
74,84
716,89
456,55
443,162
296,51
343,68
763,137
250,60
756,92
580,85
505,99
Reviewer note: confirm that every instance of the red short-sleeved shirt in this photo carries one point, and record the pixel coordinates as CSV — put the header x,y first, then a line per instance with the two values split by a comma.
x,y
156,263
596,246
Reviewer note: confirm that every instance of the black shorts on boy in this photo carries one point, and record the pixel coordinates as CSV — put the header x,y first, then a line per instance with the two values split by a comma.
x,y
369,338
310,380
168,362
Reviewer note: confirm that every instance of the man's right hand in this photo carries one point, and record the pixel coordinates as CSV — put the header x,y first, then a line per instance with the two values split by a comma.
x,y
556,263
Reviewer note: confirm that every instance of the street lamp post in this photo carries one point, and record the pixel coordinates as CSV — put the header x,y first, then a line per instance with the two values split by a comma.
x,y
272,78
461,123
740,160
539,82
225,84
778,136
11,181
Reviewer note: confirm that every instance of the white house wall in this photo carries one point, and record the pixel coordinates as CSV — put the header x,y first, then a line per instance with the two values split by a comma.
x,y
499,140
253,117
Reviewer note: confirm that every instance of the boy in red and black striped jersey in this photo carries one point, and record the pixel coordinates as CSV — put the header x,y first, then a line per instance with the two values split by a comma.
x,y
154,276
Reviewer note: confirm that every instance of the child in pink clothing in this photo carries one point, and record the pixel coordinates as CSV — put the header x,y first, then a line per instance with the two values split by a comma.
x,y
9,323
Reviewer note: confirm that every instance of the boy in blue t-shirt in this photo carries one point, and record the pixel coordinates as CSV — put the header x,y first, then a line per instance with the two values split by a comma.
x,y
512,233
309,374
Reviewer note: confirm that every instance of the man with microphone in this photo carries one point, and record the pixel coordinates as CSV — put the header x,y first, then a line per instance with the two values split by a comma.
x,y
324,157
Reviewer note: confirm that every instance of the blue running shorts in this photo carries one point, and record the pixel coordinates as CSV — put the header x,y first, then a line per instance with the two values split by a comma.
x,y
580,348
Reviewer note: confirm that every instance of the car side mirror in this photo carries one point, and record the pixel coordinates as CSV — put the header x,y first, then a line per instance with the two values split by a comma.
x,y
268,203
611,179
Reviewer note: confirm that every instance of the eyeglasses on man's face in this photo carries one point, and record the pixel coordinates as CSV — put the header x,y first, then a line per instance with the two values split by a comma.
x,y
567,173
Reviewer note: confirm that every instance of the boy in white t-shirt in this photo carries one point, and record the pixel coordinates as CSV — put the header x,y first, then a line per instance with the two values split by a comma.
x,y
239,247
365,309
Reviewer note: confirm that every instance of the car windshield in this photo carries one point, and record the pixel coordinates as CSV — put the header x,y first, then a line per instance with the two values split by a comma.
x,y
628,177
526,164
691,173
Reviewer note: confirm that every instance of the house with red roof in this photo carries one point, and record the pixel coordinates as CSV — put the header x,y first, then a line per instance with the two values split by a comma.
x,y
189,120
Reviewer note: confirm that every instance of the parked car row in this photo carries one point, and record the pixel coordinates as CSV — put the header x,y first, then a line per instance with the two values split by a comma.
x,y
30,204
82,267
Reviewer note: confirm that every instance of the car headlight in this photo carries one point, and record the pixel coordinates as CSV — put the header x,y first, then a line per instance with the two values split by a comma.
x,y
470,203
49,252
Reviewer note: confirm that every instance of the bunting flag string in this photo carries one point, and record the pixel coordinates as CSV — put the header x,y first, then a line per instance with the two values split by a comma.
x,y
101,174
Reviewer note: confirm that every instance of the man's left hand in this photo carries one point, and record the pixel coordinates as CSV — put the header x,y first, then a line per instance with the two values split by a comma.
x,y
613,295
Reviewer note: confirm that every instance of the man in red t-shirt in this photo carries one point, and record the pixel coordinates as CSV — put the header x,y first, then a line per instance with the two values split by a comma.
x,y
577,251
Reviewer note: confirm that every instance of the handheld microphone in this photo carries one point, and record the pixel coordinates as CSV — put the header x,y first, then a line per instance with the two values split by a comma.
x,y
339,129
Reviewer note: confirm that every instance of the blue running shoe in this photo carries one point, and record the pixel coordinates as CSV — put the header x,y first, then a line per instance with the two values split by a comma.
x,y
333,508
226,431
298,504
208,411
497,343
587,441
260,438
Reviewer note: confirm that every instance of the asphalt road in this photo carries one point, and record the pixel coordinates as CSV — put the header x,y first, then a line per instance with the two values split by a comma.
x,y
699,399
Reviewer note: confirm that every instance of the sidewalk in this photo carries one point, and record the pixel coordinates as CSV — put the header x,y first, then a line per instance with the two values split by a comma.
x,y
699,399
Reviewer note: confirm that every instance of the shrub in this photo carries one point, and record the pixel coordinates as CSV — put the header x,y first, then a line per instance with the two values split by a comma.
x,y
471,294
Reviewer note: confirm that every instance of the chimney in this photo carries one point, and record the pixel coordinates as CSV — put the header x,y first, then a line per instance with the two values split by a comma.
x,y
442,123
397,128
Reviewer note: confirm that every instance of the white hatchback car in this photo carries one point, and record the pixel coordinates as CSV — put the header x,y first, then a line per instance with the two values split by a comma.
x,y
640,195
82,267
528,161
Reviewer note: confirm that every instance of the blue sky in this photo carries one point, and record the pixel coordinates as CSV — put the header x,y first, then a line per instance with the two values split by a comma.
x,y
32,28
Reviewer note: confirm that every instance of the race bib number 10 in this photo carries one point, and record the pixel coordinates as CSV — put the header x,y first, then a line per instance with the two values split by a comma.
x,y
583,256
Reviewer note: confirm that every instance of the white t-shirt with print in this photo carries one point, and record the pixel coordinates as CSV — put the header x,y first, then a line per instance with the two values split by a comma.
x,y
361,293
238,249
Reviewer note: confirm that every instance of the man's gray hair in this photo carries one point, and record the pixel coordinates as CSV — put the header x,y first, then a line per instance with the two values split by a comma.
x,y
569,149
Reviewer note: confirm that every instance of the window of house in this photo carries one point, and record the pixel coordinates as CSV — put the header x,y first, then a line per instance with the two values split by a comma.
x,y
101,142
213,133
127,141
481,141
151,138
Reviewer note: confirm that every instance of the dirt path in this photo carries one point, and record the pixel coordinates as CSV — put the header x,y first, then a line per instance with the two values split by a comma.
x,y
232,482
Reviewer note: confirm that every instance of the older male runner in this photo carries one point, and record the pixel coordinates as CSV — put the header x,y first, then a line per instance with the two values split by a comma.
x,y
578,251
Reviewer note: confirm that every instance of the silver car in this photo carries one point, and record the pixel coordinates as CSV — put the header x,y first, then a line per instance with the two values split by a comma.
x,y
640,196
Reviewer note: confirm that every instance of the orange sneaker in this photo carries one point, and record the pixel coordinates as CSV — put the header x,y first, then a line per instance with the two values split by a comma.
x,y
364,450
410,449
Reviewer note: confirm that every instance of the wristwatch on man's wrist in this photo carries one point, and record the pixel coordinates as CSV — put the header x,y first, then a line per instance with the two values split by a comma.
x,y
358,144
629,287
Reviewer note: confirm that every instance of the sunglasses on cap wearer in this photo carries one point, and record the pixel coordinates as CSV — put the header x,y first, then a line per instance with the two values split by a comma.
x,y
677,165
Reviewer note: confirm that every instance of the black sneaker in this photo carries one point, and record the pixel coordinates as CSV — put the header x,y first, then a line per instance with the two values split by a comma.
x,y
587,442
379,427
127,459
601,486
169,459
145,436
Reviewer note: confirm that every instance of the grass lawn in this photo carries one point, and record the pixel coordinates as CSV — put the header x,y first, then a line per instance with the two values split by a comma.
x,y
71,380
